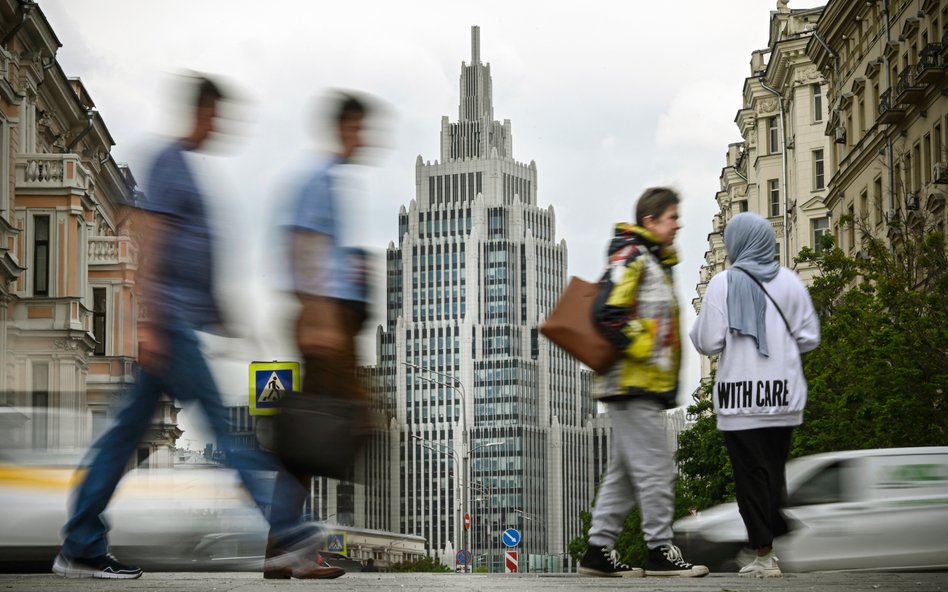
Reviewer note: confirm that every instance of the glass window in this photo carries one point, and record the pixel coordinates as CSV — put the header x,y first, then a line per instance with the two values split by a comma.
x,y
98,319
773,189
773,137
820,229
41,255
825,487
818,170
817,103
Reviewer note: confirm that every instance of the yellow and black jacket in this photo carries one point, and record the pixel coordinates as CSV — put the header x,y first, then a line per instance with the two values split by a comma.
x,y
637,311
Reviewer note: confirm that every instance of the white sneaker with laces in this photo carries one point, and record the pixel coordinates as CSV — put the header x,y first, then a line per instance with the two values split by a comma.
x,y
764,566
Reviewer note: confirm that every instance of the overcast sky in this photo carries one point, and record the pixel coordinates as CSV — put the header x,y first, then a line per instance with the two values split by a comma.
x,y
607,97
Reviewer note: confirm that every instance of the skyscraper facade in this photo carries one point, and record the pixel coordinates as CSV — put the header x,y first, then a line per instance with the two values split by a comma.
x,y
491,425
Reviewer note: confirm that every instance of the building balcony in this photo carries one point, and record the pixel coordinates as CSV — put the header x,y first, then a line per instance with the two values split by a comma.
x,y
111,250
930,67
44,172
889,112
907,89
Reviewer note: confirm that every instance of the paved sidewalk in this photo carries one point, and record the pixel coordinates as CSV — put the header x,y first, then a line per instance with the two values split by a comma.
x,y
250,582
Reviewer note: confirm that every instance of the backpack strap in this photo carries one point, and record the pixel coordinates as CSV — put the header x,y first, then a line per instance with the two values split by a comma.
x,y
777,306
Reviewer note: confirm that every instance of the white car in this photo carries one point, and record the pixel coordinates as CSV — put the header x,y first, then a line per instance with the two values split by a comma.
x,y
880,509
182,519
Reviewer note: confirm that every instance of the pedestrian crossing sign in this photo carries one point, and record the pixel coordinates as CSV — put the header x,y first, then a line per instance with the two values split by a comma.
x,y
336,543
269,381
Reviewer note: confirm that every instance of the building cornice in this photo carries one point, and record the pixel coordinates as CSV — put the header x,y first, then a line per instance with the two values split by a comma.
x,y
786,57
839,17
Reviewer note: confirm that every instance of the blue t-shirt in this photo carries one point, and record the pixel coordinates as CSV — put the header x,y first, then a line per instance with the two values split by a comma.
x,y
184,271
317,209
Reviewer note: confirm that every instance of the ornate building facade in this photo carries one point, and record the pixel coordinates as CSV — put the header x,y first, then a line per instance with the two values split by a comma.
x,y
884,61
870,77
67,258
781,168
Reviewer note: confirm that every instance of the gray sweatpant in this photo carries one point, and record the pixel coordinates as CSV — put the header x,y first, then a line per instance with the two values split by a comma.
x,y
641,470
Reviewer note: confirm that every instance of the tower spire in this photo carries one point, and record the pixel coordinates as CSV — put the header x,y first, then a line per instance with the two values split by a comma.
x,y
475,45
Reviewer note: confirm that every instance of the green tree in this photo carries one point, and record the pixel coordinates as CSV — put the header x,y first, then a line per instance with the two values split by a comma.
x,y
425,565
879,377
703,464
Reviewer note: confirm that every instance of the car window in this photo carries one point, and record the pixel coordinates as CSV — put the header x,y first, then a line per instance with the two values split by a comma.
x,y
826,486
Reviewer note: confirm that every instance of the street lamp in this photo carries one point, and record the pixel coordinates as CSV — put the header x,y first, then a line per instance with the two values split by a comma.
x,y
468,483
457,484
535,519
459,387
490,493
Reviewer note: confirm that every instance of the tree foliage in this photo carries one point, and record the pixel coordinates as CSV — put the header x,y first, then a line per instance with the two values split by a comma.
x,y
703,464
879,377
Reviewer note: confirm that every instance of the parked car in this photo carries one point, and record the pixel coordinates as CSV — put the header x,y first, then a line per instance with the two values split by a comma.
x,y
880,510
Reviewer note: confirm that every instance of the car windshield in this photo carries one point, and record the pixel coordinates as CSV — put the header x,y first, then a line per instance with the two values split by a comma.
x,y
799,469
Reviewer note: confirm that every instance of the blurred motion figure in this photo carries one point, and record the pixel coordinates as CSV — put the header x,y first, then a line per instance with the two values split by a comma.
x,y
175,287
329,278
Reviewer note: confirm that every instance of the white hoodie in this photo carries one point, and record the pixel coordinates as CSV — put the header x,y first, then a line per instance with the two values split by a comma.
x,y
750,390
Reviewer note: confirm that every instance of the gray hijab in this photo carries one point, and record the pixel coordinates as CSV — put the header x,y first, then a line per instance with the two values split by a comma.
x,y
751,247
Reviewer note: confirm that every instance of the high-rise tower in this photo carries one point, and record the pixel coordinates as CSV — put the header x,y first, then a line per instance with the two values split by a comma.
x,y
473,389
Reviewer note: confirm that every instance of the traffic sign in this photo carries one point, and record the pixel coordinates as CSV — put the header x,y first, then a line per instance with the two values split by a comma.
x,y
467,522
464,557
268,383
511,537
336,543
510,561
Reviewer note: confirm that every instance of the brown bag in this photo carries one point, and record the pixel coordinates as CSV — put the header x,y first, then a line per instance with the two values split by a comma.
x,y
571,326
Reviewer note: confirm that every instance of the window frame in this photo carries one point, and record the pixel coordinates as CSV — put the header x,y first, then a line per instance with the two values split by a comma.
x,y
773,197
100,320
773,135
817,102
819,169
44,245
817,231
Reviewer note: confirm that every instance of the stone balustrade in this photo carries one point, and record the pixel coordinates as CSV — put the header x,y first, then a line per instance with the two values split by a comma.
x,y
111,250
50,171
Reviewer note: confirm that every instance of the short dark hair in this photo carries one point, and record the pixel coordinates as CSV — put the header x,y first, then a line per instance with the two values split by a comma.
x,y
208,93
350,108
653,202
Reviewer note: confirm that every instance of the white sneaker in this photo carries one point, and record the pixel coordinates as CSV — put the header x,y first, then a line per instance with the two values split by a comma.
x,y
764,566
745,556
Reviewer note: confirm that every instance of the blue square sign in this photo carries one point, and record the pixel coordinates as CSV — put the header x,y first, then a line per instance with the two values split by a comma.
x,y
269,381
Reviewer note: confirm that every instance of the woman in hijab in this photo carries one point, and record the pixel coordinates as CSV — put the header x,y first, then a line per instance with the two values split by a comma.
x,y
759,318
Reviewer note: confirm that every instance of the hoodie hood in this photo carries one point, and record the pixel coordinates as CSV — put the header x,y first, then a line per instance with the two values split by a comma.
x,y
632,234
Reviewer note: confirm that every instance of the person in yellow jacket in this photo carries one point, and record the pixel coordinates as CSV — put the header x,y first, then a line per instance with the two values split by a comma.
x,y
637,312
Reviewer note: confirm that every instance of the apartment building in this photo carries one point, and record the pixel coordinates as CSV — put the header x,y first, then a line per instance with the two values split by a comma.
x,y
884,61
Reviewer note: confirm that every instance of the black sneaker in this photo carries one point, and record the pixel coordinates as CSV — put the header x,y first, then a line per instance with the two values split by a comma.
x,y
603,563
667,561
103,566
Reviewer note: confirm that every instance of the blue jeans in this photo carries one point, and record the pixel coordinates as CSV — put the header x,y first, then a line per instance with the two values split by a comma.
x,y
187,378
